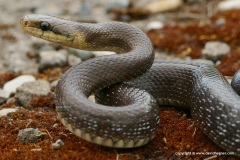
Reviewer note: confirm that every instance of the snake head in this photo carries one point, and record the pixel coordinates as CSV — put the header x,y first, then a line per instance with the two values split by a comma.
x,y
54,29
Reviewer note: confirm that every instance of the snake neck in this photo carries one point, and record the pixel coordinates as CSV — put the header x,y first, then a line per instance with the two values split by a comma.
x,y
103,71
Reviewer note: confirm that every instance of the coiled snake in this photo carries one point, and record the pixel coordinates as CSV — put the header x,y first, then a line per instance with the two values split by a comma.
x,y
214,105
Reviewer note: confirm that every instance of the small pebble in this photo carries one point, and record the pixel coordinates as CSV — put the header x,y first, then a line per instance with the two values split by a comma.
x,y
36,149
55,125
26,92
92,98
220,22
12,85
73,60
61,133
52,58
4,95
229,79
5,111
214,50
59,141
30,135
56,145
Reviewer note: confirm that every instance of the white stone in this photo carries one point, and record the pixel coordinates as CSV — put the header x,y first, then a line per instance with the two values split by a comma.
x,y
5,111
154,25
163,5
228,5
4,95
12,85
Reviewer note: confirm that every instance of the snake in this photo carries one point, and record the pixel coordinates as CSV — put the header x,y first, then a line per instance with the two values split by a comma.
x,y
130,86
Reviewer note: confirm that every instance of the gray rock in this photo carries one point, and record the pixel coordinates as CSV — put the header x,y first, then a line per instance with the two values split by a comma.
x,y
117,4
73,60
26,92
84,55
30,135
214,50
4,95
12,85
51,59
5,111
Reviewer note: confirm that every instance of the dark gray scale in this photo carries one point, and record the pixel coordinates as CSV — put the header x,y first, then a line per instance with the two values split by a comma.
x,y
236,82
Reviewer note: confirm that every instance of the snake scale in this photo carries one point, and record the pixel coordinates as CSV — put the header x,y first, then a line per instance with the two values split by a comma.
x,y
127,114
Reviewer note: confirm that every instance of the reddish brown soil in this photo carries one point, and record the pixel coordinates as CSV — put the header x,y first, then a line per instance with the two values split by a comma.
x,y
177,133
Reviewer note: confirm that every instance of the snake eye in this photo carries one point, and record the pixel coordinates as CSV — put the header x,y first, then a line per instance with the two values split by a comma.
x,y
45,26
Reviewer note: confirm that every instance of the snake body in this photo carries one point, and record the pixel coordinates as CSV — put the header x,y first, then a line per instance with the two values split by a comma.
x,y
132,118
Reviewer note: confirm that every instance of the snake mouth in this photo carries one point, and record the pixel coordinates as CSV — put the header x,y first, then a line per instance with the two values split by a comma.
x,y
33,28
30,28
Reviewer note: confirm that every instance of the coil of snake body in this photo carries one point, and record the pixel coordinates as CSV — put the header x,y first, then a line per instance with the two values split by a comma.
x,y
132,117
